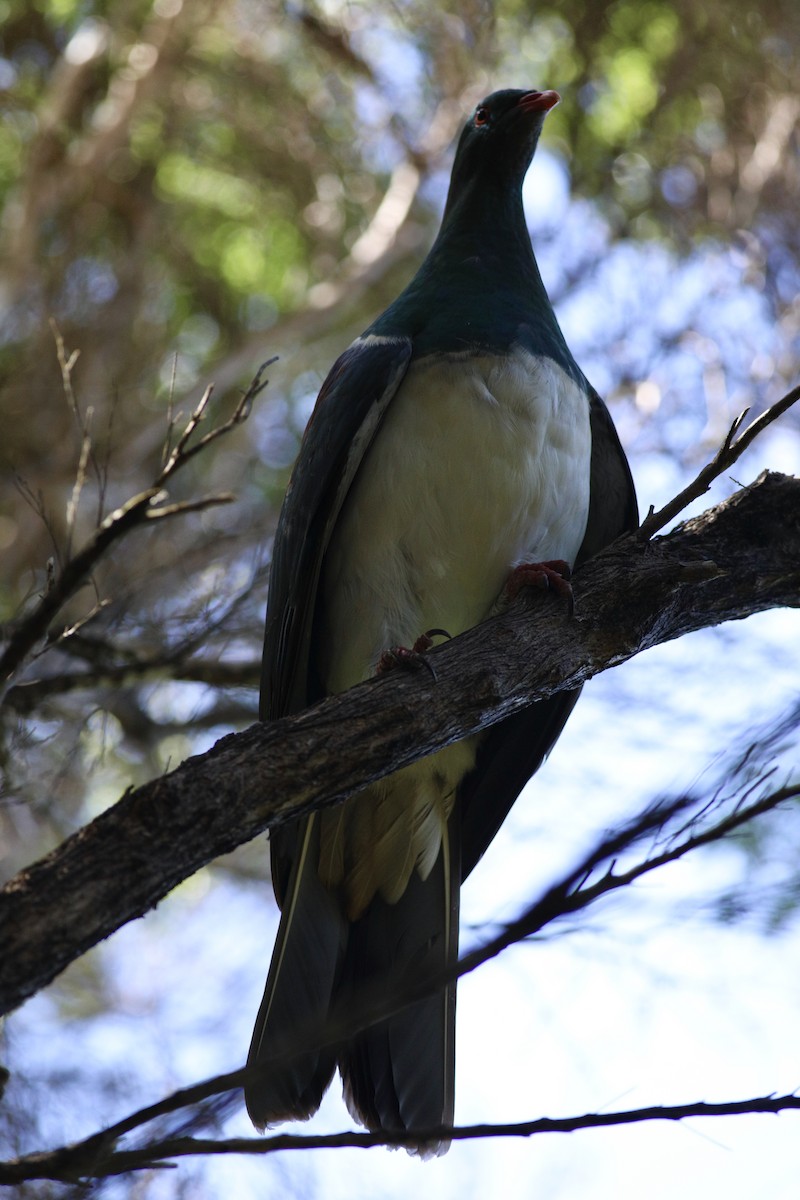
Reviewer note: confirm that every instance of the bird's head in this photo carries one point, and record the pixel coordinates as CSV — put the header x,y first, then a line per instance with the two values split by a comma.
x,y
499,139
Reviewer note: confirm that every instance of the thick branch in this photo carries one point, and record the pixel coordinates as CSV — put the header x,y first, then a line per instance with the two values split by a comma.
x,y
737,559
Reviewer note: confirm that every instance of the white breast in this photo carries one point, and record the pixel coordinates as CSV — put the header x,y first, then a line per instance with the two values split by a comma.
x,y
480,464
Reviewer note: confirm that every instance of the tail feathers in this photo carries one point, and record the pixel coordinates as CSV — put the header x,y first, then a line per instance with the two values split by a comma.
x,y
399,1073
295,1009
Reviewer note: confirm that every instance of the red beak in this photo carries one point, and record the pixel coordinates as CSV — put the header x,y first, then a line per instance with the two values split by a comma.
x,y
538,101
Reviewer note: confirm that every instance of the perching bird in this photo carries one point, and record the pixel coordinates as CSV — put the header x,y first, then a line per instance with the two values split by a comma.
x,y
453,441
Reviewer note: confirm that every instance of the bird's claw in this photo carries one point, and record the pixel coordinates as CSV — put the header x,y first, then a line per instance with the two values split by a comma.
x,y
553,575
413,657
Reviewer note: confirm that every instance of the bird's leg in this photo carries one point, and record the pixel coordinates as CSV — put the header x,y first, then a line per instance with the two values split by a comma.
x,y
553,575
413,657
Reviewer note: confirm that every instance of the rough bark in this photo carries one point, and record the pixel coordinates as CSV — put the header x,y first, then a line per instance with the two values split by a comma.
x,y
737,559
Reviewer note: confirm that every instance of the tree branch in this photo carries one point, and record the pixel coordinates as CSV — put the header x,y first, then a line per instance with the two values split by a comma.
x,y
25,698
90,1160
147,506
731,449
739,558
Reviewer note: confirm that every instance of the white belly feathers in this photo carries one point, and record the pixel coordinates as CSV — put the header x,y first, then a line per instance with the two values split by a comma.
x,y
480,464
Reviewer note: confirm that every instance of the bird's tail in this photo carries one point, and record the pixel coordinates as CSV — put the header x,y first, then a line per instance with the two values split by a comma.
x,y
290,1040
399,1072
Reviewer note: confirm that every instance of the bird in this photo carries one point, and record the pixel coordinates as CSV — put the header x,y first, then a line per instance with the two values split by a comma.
x,y
454,445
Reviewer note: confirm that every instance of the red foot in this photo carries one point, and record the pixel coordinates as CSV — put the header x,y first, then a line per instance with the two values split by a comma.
x,y
414,658
547,576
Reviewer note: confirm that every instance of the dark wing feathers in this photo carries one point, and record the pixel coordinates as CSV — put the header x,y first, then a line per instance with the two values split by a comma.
x,y
348,412
612,497
507,757
349,409
313,933
308,953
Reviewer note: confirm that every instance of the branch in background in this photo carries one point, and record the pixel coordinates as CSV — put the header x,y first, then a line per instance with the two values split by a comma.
x,y
108,664
183,452
725,457
147,506
25,698
739,558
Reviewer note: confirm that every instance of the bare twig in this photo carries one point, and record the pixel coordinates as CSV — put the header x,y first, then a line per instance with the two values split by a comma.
x,y
35,501
83,423
66,363
183,453
730,450
170,412
181,507
96,1159
149,505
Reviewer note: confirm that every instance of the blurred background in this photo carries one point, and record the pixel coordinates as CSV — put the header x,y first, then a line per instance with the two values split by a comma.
x,y
186,190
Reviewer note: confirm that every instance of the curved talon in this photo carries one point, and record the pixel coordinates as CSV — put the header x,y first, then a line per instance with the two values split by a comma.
x,y
402,656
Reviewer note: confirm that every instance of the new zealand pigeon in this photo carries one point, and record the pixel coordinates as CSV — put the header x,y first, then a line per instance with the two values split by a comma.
x,y
454,440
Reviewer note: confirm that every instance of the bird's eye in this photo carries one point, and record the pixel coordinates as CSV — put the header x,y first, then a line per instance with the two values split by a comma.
x,y
481,116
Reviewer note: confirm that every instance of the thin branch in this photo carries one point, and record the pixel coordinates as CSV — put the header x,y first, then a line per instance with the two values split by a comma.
x,y
678,1112
26,697
92,1160
181,507
35,501
183,453
66,364
72,576
531,921
78,485
147,506
166,450
730,450
83,424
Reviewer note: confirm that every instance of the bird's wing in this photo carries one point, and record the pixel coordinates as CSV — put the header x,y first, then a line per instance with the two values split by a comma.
x,y
348,412
612,497
311,936
515,749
